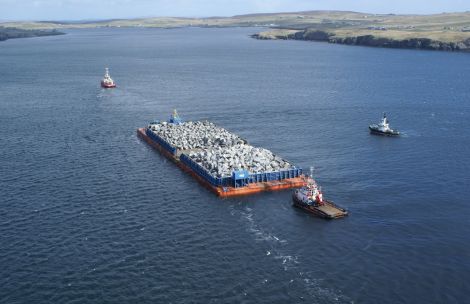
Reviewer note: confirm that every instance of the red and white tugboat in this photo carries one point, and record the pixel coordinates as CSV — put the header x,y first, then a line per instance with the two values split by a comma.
x,y
107,81
310,199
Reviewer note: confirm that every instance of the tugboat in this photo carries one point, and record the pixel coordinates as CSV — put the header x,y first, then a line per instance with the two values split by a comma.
x,y
107,81
383,128
310,199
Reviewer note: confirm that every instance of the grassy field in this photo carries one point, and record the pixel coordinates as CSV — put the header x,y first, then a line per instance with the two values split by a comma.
x,y
446,31
446,27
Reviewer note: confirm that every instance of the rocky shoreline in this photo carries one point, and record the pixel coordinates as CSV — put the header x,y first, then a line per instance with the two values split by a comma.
x,y
13,33
365,40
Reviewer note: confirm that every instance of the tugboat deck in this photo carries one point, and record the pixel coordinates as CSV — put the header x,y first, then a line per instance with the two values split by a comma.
x,y
332,211
327,210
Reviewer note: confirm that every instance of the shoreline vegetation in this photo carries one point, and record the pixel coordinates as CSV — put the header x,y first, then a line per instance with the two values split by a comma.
x,y
406,42
446,31
13,33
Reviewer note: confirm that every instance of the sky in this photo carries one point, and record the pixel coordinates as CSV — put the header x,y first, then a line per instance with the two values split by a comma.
x,y
108,9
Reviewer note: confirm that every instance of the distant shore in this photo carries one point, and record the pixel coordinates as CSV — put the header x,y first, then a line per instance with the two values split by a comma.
x,y
365,40
445,32
13,33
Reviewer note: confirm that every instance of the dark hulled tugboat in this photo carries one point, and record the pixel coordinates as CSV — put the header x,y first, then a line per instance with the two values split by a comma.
x,y
383,128
310,199
107,81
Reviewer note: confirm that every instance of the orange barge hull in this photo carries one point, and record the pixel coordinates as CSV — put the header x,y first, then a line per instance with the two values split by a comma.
x,y
252,188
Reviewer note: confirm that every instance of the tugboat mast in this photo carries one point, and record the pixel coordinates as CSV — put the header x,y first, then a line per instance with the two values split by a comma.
x,y
384,120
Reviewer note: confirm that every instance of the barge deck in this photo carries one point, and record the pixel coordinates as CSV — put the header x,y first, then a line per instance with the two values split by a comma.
x,y
224,191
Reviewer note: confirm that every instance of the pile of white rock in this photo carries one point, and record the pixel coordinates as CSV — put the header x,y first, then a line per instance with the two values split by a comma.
x,y
195,135
222,161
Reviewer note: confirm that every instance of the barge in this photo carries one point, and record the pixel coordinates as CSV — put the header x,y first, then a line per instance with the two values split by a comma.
x,y
220,160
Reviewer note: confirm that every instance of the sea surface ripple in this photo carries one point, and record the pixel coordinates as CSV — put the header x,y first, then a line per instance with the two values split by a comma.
x,y
91,214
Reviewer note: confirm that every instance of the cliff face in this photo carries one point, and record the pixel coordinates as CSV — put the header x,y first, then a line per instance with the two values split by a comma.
x,y
413,43
370,40
313,35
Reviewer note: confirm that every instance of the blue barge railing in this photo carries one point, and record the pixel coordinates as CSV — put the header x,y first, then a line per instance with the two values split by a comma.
x,y
240,182
163,143
236,180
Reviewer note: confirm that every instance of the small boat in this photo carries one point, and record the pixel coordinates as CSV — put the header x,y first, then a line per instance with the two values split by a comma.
x,y
383,128
107,81
310,199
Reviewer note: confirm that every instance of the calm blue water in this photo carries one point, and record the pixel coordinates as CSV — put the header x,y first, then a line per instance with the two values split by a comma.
x,y
90,214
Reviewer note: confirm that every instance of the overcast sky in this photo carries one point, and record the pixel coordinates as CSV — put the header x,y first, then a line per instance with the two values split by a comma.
x,y
102,9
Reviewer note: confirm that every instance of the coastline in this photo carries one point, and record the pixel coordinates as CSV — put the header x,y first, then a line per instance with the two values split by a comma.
x,y
369,40
15,33
443,32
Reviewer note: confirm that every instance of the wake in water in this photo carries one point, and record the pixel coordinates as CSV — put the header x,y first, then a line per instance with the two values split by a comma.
x,y
278,250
